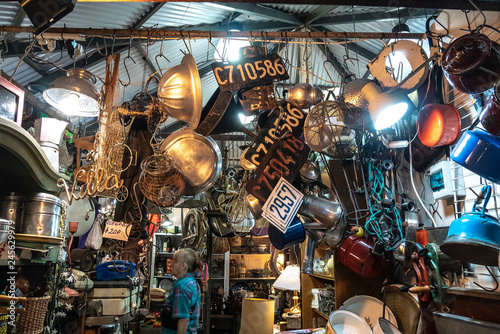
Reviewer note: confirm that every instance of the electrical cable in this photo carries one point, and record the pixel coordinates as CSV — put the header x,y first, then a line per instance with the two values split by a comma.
x,y
415,188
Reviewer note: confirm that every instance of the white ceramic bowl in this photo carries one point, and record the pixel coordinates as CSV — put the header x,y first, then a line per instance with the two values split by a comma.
x,y
347,322
368,308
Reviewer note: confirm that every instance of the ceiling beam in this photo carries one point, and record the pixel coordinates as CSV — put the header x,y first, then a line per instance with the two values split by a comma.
x,y
443,4
354,47
250,26
145,33
147,15
320,12
264,12
404,13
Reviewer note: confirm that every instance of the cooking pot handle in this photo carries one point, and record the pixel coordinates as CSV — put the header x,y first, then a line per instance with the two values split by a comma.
x,y
484,194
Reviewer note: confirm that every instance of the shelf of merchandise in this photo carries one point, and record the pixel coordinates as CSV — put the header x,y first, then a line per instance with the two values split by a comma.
x,y
157,255
324,277
346,285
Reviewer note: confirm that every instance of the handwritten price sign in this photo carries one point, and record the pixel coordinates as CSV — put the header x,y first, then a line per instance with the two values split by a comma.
x,y
282,205
250,72
117,230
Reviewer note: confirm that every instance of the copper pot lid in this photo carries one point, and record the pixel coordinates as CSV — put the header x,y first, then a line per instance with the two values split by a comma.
x,y
466,53
198,157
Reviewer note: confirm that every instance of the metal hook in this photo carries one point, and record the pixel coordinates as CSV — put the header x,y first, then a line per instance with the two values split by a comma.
x,y
125,63
184,40
494,278
480,11
113,42
161,55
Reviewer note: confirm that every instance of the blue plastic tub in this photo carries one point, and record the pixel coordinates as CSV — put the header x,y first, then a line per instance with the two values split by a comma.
x,y
115,270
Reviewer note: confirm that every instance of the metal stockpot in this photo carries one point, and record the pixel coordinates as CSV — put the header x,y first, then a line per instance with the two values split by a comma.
x,y
474,237
42,213
11,208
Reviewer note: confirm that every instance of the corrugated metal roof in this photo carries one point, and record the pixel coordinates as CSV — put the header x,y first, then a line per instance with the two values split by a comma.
x,y
177,14
8,11
102,15
24,74
209,85
296,9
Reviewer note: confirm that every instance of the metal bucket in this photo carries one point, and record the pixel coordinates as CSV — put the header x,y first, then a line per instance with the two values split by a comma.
x,y
11,208
42,213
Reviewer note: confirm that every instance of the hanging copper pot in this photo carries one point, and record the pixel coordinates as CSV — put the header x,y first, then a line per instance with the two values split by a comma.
x,y
471,63
490,117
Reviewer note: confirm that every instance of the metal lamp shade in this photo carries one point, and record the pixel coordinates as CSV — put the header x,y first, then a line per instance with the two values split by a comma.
x,y
385,109
74,94
179,92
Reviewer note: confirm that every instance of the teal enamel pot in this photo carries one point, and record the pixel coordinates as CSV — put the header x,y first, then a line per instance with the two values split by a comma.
x,y
474,237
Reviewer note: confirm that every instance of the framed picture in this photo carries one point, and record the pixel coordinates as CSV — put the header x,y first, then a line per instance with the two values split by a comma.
x,y
11,101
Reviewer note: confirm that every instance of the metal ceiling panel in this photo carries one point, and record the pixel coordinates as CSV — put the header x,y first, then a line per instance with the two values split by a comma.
x,y
24,73
208,85
296,9
102,15
177,14
8,11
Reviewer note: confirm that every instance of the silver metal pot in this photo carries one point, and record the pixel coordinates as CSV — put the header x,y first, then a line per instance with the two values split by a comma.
x,y
11,208
42,213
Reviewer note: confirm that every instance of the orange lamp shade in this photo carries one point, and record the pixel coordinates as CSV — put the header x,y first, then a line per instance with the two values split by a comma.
x,y
438,125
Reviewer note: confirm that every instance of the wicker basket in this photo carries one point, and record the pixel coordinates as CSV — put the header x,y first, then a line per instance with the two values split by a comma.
x,y
31,321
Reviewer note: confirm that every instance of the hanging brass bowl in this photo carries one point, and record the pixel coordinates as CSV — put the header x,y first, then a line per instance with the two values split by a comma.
x,y
179,92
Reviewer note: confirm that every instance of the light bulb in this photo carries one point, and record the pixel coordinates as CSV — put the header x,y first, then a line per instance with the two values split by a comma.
x,y
390,115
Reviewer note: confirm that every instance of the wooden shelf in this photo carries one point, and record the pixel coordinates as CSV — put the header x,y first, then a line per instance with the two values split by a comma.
x,y
325,277
321,314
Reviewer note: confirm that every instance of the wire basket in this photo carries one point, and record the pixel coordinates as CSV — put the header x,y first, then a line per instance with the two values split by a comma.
x,y
161,180
31,321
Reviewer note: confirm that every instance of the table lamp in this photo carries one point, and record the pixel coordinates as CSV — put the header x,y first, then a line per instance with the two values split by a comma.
x,y
290,280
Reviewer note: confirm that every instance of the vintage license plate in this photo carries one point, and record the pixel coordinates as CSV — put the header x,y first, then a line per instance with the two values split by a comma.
x,y
249,72
284,159
282,205
286,118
